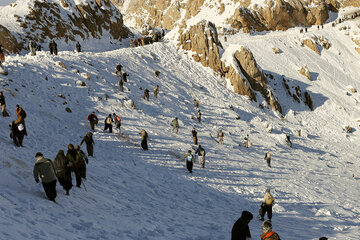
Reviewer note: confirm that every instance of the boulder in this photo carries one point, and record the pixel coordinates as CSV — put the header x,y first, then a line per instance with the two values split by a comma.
x,y
305,71
310,43
8,41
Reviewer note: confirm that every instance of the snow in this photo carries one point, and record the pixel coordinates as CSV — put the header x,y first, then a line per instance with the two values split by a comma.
x,y
6,2
136,194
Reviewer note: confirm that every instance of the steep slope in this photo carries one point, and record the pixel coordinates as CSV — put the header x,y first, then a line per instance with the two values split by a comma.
x,y
135,194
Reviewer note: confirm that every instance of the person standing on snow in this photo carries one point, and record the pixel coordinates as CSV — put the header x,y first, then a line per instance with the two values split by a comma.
x,y
3,105
190,159
198,115
108,123
268,159
175,125
221,137
266,206
78,47
21,114
241,230
144,137
267,232
156,91
194,134
75,160
118,69
92,118
63,171
117,121
146,94
45,168
32,47
17,133
201,153
88,139
84,161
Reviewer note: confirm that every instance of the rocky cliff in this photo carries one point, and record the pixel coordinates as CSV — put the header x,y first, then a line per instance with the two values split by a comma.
x,y
243,73
67,20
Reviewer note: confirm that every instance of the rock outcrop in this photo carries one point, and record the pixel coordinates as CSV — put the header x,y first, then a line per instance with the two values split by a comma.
x,y
312,45
305,72
8,41
70,21
245,75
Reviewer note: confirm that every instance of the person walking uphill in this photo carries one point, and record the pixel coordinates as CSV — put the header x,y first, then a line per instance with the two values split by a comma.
x,y
92,118
32,47
144,137
146,94
3,105
267,232
21,114
17,133
108,123
268,159
74,158
88,139
63,171
194,134
190,159
240,230
45,168
175,125
201,153
84,161
266,206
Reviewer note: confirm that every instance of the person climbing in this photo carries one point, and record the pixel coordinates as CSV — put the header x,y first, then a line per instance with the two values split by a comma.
x,y
2,56
93,120
3,105
51,47
240,229
175,125
267,232
196,103
88,139
190,159
121,85
117,121
78,47
84,161
246,141
221,137
266,206
32,47
75,160
21,115
118,69
194,134
63,171
124,76
108,123
17,133
156,91
198,115
144,137
201,154
45,168
268,158
146,94
288,141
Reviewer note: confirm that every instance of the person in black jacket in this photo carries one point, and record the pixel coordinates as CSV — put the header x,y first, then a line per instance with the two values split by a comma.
x,y
88,139
240,230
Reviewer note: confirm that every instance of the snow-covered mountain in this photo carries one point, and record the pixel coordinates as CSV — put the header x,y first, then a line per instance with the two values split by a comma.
x,y
136,194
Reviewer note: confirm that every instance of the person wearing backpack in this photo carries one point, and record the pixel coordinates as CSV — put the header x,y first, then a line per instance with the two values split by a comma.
x,y
63,171
74,158
201,153
45,168
84,161
190,159
21,115
88,139
175,125
117,121
118,69
268,159
144,137
93,120
124,76
266,206
108,123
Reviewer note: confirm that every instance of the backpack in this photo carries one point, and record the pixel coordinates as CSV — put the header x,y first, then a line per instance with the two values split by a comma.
x,y
202,152
108,120
118,119
23,114
189,158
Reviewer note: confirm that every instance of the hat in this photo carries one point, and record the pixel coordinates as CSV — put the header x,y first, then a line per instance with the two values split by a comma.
x,y
247,215
70,146
266,226
38,154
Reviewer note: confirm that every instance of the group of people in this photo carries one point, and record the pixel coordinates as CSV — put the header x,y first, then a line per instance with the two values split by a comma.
x,y
61,168
114,118
34,47
154,37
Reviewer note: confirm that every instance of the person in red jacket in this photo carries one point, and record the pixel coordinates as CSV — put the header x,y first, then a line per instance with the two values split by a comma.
x,y
267,232
92,118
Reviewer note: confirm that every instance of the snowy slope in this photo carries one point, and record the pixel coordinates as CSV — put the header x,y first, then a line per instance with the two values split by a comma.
x,y
136,194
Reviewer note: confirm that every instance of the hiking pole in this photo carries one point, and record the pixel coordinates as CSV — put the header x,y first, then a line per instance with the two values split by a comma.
x,y
84,185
